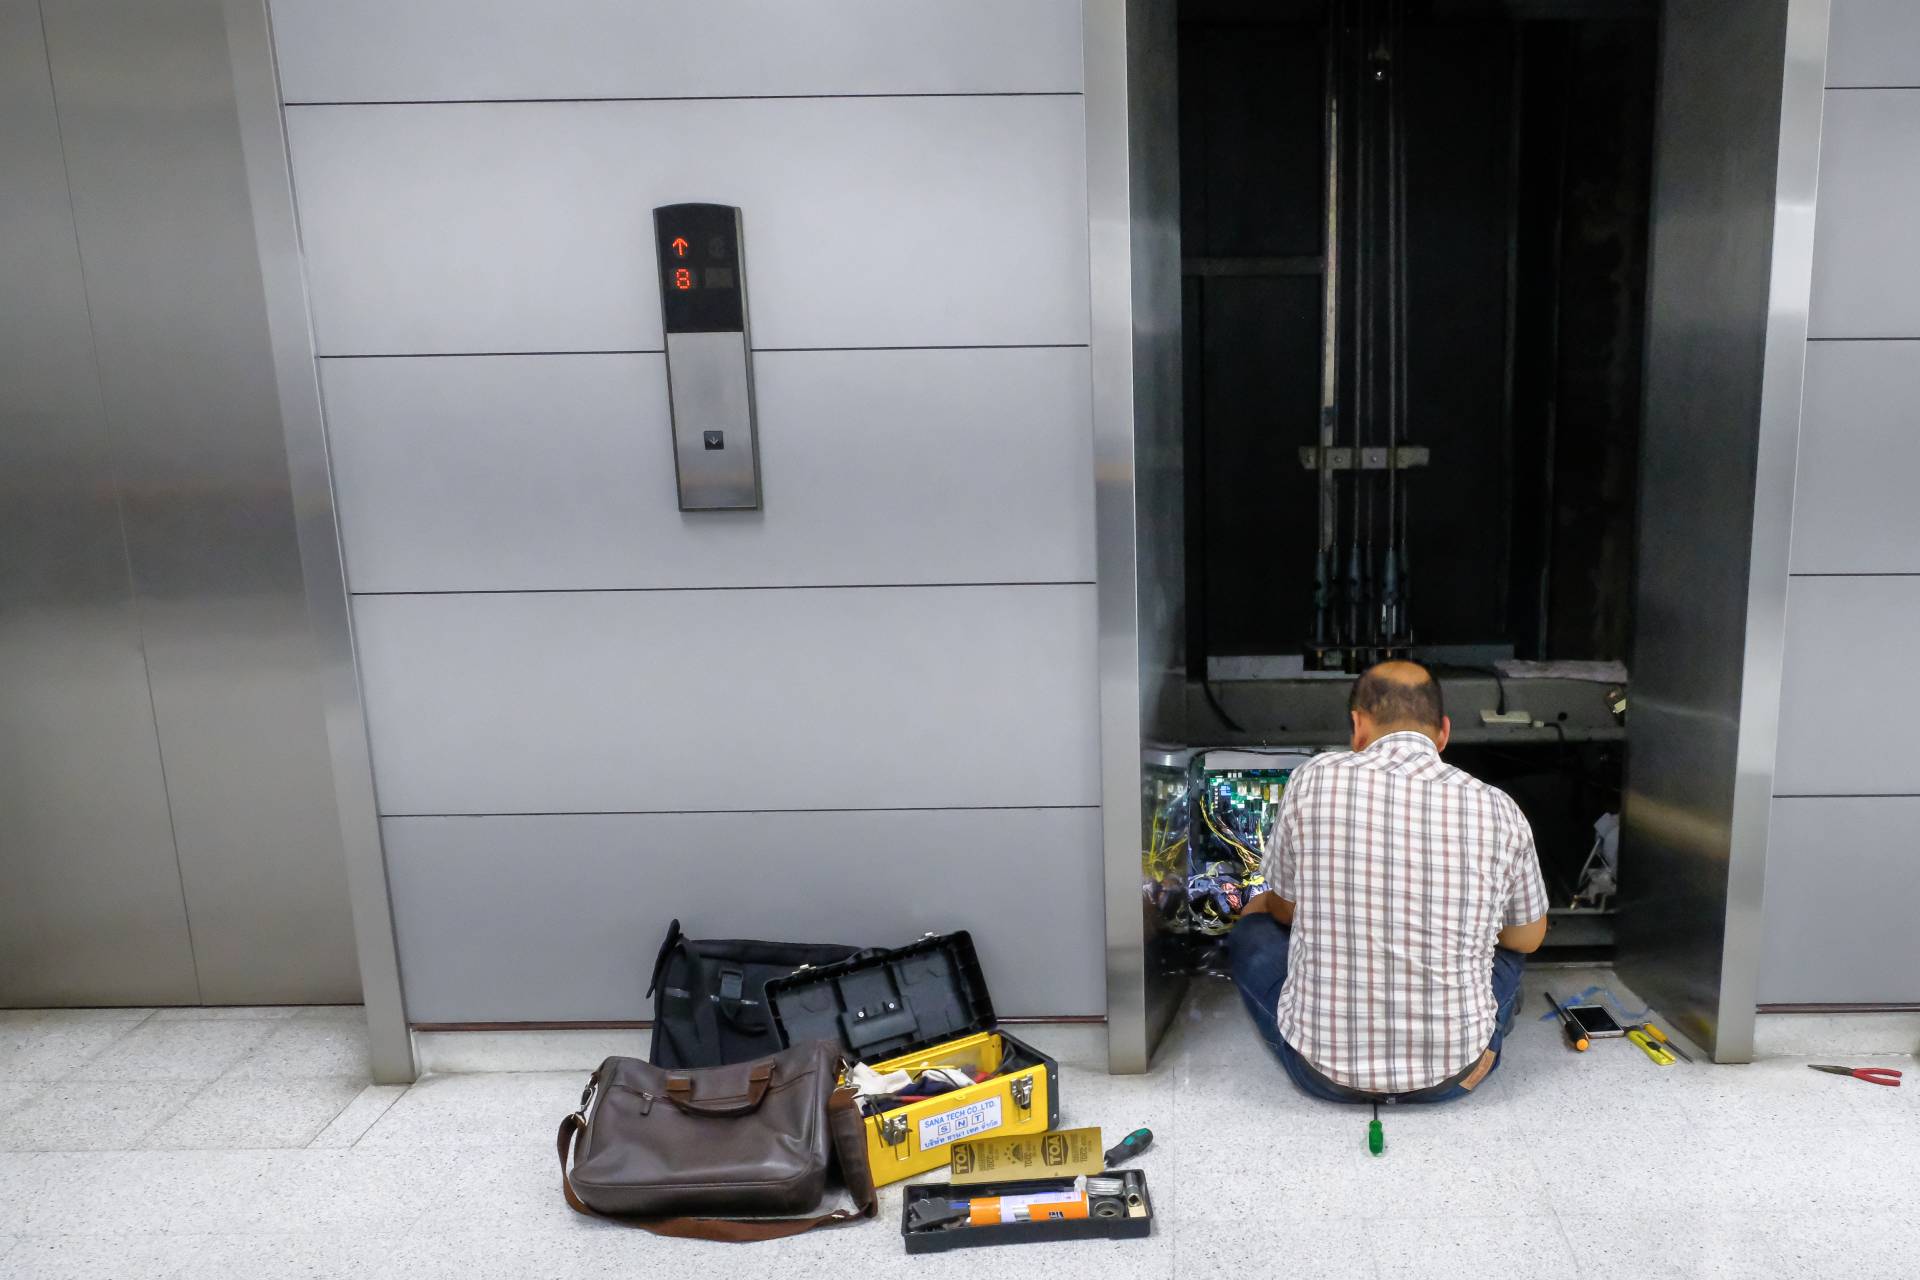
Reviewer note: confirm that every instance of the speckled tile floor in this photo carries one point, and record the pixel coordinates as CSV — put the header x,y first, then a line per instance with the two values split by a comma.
x,y
246,1143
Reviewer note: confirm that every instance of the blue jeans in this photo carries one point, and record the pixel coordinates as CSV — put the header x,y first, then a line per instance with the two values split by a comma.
x,y
1257,949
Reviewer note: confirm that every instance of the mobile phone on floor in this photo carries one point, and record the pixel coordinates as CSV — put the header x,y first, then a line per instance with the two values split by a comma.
x,y
1595,1021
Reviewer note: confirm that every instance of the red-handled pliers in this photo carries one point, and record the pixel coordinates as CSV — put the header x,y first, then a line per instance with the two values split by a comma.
x,y
1872,1075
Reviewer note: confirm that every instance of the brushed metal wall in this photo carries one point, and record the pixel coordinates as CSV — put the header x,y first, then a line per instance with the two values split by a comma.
x,y
870,222
906,629
434,50
184,381
480,899
1875,44
1839,865
640,701
1839,893
1868,281
91,910
504,473
1853,509
1736,157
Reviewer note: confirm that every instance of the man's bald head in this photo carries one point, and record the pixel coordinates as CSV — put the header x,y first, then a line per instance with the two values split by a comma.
x,y
1396,696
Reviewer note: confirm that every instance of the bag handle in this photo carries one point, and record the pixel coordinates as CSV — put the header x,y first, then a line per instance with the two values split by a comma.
x,y
680,1094
848,1130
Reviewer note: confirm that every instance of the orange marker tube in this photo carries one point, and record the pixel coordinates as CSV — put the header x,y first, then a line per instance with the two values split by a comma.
x,y
1046,1206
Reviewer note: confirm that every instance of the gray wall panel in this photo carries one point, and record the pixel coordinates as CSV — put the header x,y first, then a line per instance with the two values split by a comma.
x,y
558,917
1854,508
1841,731
1866,281
419,50
785,699
1874,43
1840,875
517,472
525,227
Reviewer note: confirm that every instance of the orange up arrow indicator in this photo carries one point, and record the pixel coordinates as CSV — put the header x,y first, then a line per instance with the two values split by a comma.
x,y
679,246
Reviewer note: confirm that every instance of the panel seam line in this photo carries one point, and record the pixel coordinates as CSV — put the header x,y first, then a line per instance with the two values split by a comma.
x,y
677,97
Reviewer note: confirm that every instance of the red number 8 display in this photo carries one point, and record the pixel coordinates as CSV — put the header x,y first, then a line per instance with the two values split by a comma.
x,y
682,278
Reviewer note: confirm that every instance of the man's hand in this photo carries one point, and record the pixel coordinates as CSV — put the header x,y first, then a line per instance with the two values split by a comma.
x,y
1524,938
1269,903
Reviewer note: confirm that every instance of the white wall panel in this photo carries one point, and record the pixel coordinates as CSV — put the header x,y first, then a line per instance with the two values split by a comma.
x,y
543,472
1874,43
527,227
1854,508
783,699
1849,681
1839,916
559,917
1866,278
422,50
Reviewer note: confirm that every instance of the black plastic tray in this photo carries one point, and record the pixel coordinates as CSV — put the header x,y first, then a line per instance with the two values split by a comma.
x,y
887,1004
940,1241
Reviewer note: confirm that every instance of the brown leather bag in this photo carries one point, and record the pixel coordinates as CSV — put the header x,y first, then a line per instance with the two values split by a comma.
x,y
735,1145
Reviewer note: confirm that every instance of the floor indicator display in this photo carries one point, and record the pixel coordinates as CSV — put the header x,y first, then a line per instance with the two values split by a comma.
x,y
703,311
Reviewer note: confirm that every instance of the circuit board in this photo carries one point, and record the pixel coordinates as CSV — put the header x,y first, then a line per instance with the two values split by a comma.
x,y
1233,813
1207,829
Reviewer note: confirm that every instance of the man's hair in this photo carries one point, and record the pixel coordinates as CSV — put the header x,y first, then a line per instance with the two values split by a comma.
x,y
1389,701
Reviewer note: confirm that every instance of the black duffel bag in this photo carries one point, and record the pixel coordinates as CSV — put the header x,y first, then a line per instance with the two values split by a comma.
x,y
710,998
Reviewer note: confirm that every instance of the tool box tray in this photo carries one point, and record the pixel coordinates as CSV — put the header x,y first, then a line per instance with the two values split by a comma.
x,y
1045,1230
921,1006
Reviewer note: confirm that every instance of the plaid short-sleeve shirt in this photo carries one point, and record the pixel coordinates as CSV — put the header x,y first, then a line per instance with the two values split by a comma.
x,y
1402,871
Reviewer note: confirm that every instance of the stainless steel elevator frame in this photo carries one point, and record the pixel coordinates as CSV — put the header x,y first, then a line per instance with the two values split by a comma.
x,y
1736,168
256,90
1133,225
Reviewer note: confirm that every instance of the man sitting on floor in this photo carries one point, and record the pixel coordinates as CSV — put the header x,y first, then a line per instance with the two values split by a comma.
x,y
1383,961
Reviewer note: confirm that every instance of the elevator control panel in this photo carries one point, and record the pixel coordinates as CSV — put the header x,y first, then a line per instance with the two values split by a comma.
x,y
703,310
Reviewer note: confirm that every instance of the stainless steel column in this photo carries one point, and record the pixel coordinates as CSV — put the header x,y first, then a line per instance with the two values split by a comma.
x,y
1133,213
263,139
90,902
1736,162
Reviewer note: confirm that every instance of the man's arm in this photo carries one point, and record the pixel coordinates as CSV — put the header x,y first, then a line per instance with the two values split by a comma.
x,y
1524,938
1269,903
1525,926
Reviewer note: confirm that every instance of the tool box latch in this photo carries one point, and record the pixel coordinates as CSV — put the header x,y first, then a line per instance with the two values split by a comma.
x,y
1022,1091
893,1130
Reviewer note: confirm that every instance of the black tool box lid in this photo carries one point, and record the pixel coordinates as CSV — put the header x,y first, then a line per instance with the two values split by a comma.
x,y
887,1004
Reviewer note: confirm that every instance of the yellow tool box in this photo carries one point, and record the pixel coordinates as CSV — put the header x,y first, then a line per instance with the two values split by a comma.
x,y
913,1009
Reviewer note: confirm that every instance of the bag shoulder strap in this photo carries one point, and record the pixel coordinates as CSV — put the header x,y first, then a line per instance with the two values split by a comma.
x,y
850,1149
660,960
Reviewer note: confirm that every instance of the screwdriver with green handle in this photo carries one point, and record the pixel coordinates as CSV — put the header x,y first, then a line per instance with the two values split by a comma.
x,y
1376,1137
1130,1146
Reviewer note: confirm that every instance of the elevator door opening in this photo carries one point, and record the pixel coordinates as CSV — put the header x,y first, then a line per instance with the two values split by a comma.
x,y
1414,298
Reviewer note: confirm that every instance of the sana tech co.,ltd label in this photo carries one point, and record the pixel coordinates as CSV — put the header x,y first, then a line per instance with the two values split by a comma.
x,y
962,1122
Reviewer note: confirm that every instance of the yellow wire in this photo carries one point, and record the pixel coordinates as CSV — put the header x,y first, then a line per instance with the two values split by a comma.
x,y
1206,812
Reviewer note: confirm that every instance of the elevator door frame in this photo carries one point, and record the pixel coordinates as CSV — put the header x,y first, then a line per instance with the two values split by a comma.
x,y
1706,681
